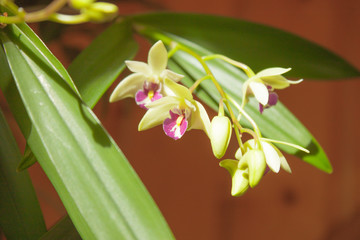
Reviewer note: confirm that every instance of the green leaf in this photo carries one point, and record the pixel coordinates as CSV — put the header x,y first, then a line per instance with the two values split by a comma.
x,y
276,123
256,45
101,192
20,212
64,229
96,68
27,160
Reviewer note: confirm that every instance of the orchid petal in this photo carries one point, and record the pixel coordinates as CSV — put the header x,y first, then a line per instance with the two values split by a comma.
x,y
128,87
178,90
169,101
283,163
168,74
156,115
238,154
200,119
277,82
138,67
157,58
272,72
271,156
260,92
174,129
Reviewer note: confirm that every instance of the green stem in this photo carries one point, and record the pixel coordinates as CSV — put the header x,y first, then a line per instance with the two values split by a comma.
x,y
197,83
240,65
247,116
287,144
36,16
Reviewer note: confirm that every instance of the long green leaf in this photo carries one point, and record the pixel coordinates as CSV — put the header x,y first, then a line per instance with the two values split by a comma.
x,y
256,45
101,192
20,212
96,68
64,229
276,123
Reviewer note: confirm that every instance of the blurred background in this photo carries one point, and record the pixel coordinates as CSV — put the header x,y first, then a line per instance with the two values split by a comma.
x,y
184,178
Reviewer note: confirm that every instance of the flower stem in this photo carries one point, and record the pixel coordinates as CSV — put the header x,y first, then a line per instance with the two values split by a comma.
x,y
287,144
37,16
240,65
197,83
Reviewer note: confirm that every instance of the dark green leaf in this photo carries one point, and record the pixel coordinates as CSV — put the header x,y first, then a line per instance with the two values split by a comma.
x,y
20,212
101,192
96,68
256,45
63,230
27,160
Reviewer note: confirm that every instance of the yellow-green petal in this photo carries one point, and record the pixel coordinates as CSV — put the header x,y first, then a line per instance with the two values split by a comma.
x,y
157,58
272,72
128,87
138,67
157,113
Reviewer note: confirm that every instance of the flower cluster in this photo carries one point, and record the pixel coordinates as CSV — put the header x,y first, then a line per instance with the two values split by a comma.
x,y
156,89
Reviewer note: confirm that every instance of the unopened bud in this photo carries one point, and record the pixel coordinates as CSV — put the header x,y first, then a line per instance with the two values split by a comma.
x,y
220,134
239,178
80,4
256,163
101,11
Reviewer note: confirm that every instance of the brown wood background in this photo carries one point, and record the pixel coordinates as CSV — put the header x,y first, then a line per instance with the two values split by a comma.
x,y
184,178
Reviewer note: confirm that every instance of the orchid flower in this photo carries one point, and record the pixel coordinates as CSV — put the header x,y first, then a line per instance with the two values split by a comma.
x,y
146,84
177,113
273,157
262,86
248,168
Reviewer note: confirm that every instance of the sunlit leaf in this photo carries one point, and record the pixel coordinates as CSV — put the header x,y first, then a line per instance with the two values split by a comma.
x,y
76,153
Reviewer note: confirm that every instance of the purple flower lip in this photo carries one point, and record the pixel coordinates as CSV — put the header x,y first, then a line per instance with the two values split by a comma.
x,y
273,99
149,93
176,125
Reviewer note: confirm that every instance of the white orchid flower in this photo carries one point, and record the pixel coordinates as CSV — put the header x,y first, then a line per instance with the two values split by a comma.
x,y
177,113
273,157
146,84
263,83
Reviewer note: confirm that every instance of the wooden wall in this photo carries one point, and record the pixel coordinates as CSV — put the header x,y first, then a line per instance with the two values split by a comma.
x,y
184,178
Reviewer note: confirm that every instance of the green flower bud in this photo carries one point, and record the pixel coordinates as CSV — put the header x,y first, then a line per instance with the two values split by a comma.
x,y
80,4
256,164
220,134
101,11
239,177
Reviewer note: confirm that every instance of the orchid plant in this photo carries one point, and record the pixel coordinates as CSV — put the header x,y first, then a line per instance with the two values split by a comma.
x,y
104,197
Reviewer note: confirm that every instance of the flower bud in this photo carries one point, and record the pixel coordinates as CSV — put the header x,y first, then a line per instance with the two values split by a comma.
x,y
80,4
239,178
256,164
101,11
220,134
